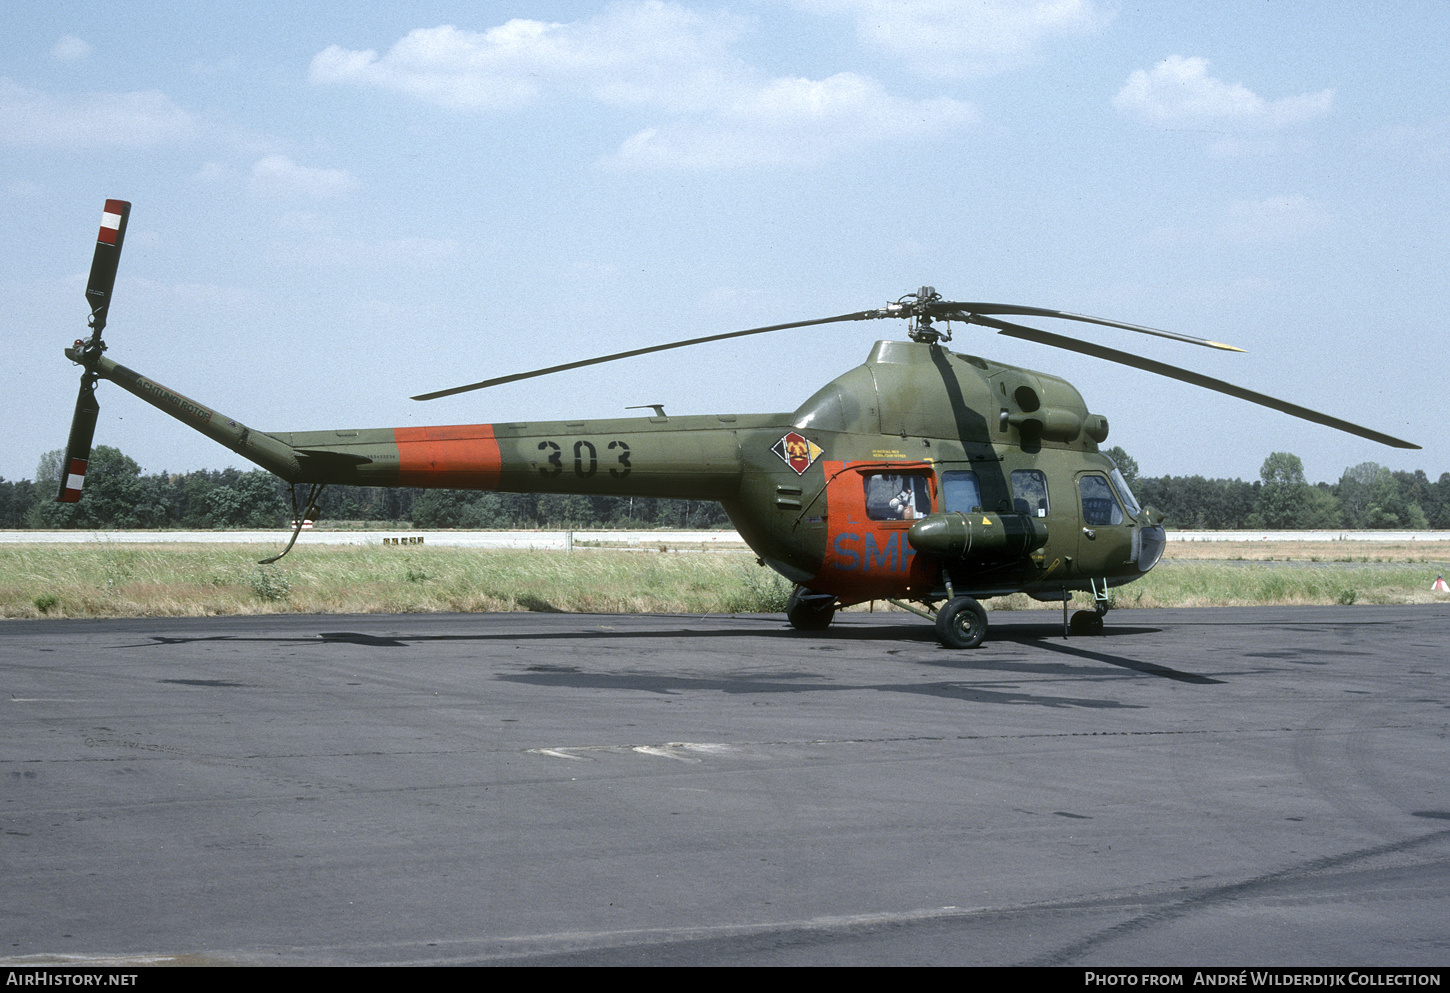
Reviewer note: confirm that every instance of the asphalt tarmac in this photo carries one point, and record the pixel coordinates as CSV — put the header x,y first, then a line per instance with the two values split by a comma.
x,y
1196,787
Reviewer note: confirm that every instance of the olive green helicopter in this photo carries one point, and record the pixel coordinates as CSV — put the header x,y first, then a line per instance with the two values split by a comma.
x,y
925,477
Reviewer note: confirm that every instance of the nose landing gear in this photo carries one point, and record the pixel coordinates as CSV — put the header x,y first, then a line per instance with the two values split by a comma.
x,y
1091,621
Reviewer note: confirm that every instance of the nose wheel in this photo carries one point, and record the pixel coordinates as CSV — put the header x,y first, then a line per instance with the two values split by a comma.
x,y
1090,621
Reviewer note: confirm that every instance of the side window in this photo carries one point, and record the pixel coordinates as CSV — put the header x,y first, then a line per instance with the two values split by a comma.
x,y
1029,492
896,498
961,492
1098,505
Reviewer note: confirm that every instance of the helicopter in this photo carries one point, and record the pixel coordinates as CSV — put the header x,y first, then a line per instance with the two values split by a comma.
x,y
925,477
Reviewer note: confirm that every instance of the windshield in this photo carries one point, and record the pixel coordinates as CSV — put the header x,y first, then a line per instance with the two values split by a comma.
x,y
1124,494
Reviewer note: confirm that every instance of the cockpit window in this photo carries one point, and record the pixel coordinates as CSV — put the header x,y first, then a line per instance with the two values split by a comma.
x,y
896,498
1098,506
1029,492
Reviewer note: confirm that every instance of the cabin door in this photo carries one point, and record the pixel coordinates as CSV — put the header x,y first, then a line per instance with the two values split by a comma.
x,y
1105,535
871,507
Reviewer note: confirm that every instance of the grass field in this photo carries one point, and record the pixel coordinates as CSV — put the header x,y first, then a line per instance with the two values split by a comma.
x,y
202,580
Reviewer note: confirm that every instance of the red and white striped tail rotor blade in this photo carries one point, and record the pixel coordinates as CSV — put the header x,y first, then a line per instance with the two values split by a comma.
x,y
72,481
107,257
78,447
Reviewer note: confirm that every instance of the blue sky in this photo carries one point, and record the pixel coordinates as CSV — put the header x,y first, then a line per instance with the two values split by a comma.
x,y
337,206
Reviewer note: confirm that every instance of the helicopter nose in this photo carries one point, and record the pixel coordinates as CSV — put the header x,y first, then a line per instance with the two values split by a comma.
x,y
1150,541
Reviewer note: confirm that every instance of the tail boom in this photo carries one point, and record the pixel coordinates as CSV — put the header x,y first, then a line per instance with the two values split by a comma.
x,y
695,457
266,451
683,457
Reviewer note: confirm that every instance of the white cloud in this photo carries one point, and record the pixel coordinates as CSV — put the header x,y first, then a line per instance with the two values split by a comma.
x,y
408,255
652,54
279,176
1180,90
34,119
1279,218
20,189
156,295
718,111
216,174
963,37
305,222
227,66
1273,219
1426,141
792,122
70,49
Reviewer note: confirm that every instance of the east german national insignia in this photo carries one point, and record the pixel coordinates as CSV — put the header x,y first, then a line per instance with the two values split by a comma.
x,y
797,451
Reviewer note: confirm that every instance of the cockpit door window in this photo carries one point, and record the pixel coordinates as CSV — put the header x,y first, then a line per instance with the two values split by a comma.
x,y
1099,509
892,497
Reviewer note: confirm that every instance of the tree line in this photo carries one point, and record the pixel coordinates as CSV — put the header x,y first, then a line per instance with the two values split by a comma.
x,y
118,495
1366,496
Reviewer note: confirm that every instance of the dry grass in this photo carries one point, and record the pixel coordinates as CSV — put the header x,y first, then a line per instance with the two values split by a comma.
x,y
1311,551
200,580
1248,573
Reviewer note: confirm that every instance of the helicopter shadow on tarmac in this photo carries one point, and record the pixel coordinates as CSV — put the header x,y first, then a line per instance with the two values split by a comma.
x,y
1043,636
998,684
1023,634
755,683
975,677
1047,637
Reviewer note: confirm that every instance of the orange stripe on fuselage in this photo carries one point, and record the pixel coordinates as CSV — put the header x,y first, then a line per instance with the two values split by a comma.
x,y
456,456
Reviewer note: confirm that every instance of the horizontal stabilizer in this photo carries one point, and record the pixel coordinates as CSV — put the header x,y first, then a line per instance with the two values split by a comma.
x,y
327,456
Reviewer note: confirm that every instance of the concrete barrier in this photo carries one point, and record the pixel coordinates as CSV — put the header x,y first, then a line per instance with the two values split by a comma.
x,y
561,540
725,540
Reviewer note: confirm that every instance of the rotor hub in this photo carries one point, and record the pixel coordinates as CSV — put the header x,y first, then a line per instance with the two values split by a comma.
x,y
920,308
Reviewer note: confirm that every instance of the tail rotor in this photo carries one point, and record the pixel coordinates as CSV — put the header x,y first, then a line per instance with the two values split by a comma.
x,y
87,350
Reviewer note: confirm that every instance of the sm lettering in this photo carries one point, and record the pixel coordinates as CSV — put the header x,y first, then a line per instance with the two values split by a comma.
x,y
854,553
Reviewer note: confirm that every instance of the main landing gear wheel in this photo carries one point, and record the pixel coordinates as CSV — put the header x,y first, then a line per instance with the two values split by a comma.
x,y
1086,622
961,623
809,611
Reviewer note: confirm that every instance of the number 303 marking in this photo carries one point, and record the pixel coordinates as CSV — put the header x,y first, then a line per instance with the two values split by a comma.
x,y
586,459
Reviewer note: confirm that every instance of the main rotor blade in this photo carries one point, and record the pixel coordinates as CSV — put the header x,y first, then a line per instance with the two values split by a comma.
x,y
107,257
860,315
951,310
1193,378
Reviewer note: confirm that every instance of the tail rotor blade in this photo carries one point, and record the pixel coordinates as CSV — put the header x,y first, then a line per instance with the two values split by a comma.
x,y
107,257
78,448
